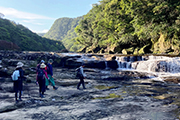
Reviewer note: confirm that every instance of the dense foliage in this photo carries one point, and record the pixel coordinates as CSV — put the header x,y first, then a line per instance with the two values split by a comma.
x,y
25,39
131,26
63,30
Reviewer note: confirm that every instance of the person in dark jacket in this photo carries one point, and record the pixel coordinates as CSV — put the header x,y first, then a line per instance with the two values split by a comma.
x,y
81,76
38,66
41,79
18,84
50,75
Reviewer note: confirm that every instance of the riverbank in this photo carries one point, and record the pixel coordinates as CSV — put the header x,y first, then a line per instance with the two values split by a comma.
x,y
109,96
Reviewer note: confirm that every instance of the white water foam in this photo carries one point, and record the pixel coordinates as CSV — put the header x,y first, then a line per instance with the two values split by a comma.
x,y
157,66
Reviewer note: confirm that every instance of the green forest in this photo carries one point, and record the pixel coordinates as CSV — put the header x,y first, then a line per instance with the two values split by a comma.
x,y
131,27
111,26
63,30
23,39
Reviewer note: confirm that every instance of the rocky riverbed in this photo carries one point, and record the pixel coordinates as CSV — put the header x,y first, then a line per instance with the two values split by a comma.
x,y
110,95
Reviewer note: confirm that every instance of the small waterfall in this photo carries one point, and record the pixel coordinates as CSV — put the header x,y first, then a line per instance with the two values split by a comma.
x,y
106,65
160,64
124,65
149,63
126,62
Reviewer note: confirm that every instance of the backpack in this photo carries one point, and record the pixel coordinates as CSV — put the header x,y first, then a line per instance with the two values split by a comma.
x,y
47,67
37,68
15,75
78,73
40,75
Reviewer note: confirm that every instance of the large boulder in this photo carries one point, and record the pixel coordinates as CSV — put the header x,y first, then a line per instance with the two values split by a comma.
x,y
112,64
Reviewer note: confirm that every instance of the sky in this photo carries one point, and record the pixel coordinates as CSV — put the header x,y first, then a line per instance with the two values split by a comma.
x,y
39,15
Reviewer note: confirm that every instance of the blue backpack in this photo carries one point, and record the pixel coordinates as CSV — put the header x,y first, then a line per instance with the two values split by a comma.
x,y
15,75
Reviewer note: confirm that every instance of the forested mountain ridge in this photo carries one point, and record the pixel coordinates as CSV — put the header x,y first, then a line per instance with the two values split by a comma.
x,y
24,39
63,30
131,27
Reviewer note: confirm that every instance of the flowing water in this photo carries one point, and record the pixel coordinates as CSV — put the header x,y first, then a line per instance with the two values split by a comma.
x,y
153,98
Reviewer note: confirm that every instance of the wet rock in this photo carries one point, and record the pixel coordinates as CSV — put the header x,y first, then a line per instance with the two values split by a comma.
x,y
110,94
112,64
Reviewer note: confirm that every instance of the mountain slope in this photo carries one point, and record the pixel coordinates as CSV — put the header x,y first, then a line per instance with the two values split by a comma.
x,y
25,39
63,30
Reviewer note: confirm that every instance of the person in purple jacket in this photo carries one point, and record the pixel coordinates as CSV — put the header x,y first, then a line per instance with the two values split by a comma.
x,y
41,75
50,75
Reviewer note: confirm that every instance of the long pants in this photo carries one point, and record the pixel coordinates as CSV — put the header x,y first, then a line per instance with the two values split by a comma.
x,y
16,95
18,88
81,82
51,80
42,86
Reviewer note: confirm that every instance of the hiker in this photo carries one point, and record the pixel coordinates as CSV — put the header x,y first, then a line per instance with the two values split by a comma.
x,y
18,84
38,65
41,74
50,75
81,76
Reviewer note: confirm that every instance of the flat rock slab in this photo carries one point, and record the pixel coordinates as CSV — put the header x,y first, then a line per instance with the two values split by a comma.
x,y
102,100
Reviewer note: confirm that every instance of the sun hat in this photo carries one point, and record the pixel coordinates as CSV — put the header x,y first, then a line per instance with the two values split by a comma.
x,y
42,61
42,65
50,61
19,64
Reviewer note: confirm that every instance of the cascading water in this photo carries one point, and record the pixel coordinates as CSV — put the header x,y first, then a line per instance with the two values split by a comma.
x,y
106,65
157,65
152,64
160,66
125,63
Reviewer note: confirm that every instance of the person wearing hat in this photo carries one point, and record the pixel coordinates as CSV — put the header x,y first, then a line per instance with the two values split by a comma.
x,y
81,76
18,84
50,75
41,74
38,67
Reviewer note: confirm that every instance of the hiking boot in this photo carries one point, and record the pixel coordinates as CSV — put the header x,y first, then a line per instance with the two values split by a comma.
x,y
42,96
17,101
20,99
55,88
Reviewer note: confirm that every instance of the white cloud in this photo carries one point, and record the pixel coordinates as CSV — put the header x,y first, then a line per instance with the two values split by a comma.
x,y
36,23
32,22
11,12
43,31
